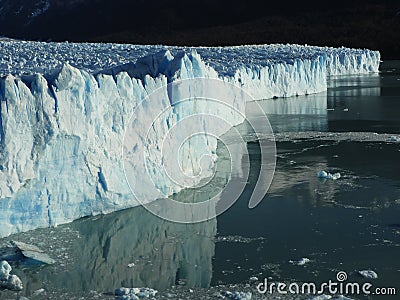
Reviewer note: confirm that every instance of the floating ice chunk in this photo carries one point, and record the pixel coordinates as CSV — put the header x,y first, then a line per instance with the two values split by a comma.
x,y
368,274
38,292
33,252
321,297
7,281
5,270
326,175
238,295
300,262
135,293
238,239
303,261
253,278
322,174
13,283
122,291
394,139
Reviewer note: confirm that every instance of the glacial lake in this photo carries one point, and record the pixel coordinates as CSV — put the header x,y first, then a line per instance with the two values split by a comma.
x,y
350,224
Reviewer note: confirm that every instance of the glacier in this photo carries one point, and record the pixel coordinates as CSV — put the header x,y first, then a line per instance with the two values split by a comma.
x,y
65,108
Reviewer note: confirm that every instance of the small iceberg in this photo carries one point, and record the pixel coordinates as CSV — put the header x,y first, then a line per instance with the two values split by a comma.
x,y
8,281
33,252
300,262
368,274
238,295
253,278
326,175
135,293
394,139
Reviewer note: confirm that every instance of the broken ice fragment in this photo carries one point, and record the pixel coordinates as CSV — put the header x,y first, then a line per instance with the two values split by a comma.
x,y
7,281
33,252
5,270
238,295
253,278
135,293
300,262
326,175
394,139
13,283
368,274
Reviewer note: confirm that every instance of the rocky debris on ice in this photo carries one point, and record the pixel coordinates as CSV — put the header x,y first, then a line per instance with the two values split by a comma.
x,y
8,281
368,274
300,262
327,175
33,252
237,295
135,293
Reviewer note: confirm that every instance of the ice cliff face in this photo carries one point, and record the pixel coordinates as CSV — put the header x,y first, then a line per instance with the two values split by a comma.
x,y
61,135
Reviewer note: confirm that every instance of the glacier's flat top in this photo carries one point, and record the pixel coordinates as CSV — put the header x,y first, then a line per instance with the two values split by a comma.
x,y
27,57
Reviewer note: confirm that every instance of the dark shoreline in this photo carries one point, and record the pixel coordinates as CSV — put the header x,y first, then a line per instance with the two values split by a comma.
x,y
369,24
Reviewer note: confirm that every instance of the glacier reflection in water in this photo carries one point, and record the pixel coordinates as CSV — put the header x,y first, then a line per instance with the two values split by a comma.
x,y
130,248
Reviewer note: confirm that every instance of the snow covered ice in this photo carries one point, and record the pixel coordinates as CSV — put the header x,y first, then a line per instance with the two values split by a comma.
x,y
65,107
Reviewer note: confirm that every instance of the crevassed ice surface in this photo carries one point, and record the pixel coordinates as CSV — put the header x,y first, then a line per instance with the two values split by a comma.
x,y
65,108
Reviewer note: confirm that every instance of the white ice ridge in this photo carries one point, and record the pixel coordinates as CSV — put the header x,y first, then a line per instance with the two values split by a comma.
x,y
27,57
61,132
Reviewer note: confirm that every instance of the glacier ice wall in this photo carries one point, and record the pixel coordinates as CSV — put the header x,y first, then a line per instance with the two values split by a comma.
x,y
61,140
61,134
